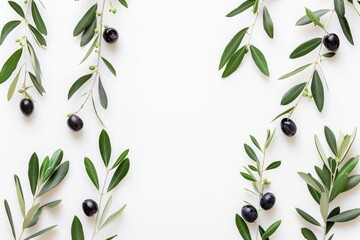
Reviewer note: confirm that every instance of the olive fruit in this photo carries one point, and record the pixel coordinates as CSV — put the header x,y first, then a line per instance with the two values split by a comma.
x,y
267,201
331,42
110,35
288,127
27,106
249,213
90,207
75,123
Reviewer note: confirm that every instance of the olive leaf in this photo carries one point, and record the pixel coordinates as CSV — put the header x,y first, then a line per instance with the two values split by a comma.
x,y
8,27
346,29
78,83
91,171
259,60
306,48
102,95
13,85
235,61
89,33
38,36
109,66
317,91
306,20
298,70
39,22
77,232
243,7
10,218
10,65
40,232
17,8
120,173
314,18
124,3
293,93
55,179
242,227
33,173
268,23
86,20
113,217
105,147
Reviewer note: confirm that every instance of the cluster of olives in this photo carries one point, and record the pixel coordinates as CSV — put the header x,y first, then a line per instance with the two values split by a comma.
x,y
249,212
332,43
74,122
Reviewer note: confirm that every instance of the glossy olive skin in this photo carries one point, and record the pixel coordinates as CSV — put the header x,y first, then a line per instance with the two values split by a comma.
x,y
75,123
331,42
288,127
267,201
249,213
110,35
90,207
27,106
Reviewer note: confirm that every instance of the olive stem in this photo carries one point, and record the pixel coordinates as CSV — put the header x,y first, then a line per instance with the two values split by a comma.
x,y
97,224
255,21
317,62
261,172
97,74
26,26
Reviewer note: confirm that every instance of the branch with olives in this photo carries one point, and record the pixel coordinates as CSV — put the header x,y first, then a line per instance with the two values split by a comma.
x,y
30,70
313,88
42,179
255,174
91,27
335,178
119,170
233,55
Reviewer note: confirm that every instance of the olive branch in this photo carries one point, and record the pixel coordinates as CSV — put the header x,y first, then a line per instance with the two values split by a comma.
x,y
91,27
233,55
259,183
335,179
313,88
119,170
42,179
33,24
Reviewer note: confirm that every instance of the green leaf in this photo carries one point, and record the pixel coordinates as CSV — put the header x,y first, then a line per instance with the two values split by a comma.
x,y
339,7
36,83
232,46
271,230
33,173
305,19
34,61
306,48
121,158
250,152
112,237
293,93
86,20
243,228
248,177
307,217
17,8
78,84
311,181
88,33
352,182
321,152
10,65
256,6
96,112
119,174
346,29
273,165
259,60
283,113
235,61
40,232
314,18
105,147
102,95
244,6
39,22
268,23
77,232
38,36
91,171
90,49
30,215
317,91
109,66
349,166
124,3
8,27
54,162
106,210
255,142
339,186
20,195
331,140
9,216
324,205
300,69
55,179
113,217
13,85
333,213
346,216
308,234
329,54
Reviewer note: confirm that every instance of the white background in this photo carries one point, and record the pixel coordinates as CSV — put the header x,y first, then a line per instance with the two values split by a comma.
x,y
185,126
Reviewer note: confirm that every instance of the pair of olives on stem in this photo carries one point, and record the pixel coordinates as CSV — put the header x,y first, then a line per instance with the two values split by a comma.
x,y
249,212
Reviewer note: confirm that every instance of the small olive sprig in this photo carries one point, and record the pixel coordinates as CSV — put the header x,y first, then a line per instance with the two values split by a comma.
x,y
313,88
38,30
335,178
92,26
233,55
91,209
42,179
255,174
